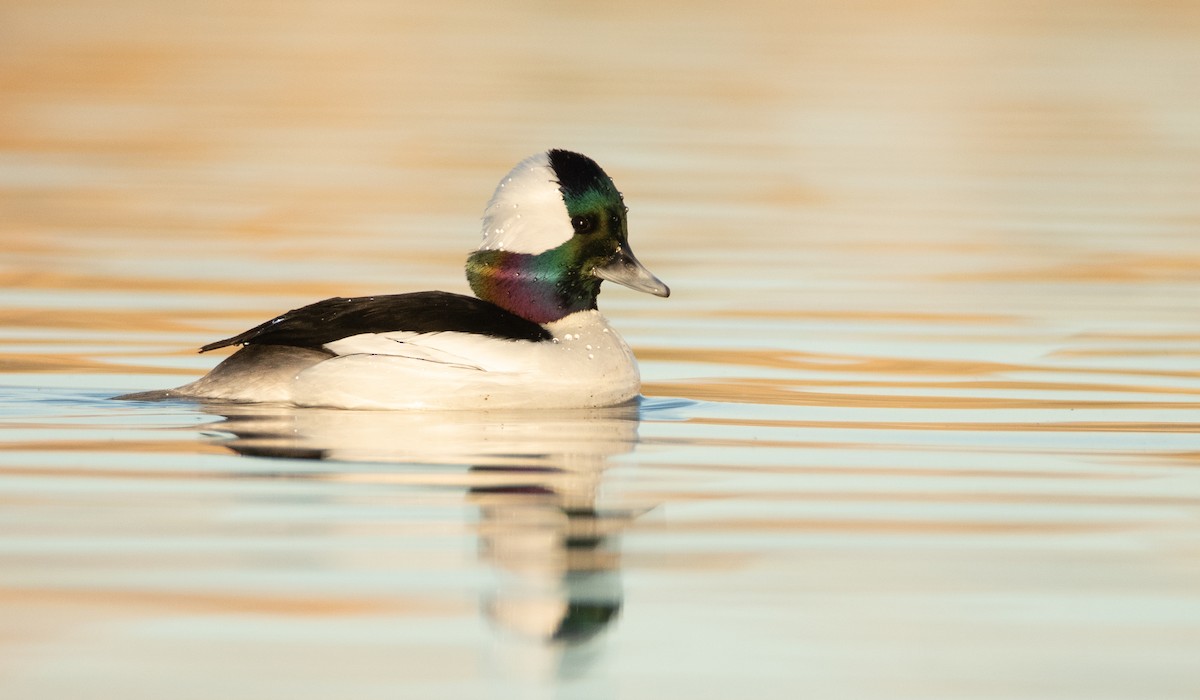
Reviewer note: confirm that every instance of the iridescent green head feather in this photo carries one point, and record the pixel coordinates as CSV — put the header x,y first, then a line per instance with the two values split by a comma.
x,y
555,227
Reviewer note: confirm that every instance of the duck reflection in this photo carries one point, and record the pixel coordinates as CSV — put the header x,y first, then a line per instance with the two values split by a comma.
x,y
533,475
559,566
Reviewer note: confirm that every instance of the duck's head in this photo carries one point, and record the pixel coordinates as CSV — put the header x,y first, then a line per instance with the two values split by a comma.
x,y
554,229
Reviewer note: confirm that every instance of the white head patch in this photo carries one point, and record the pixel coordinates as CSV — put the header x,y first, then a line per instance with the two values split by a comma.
x,y
526,213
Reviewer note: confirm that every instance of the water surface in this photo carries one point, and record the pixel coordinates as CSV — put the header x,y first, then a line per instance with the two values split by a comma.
x,y
922,415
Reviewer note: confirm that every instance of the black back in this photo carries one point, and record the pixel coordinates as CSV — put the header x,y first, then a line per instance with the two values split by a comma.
x,y
315,325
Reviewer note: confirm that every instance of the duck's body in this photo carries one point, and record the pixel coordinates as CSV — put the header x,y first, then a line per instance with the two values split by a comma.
x,y
581,362
532,339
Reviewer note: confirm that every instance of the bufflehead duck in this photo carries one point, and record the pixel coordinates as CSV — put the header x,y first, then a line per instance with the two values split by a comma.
x,y
530,338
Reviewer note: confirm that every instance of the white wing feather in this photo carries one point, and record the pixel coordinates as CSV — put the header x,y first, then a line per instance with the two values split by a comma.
x,y
586,364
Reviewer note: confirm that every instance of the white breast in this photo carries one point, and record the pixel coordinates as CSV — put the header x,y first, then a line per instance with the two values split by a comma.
x,y
586,365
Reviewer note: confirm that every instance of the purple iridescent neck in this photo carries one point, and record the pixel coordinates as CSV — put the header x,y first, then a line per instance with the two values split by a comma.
x,y
541,288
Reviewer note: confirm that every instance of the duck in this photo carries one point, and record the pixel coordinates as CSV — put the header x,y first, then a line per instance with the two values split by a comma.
x,y
554,230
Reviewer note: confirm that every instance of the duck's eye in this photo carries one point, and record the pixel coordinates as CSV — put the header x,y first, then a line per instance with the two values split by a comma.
x,y
584,224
